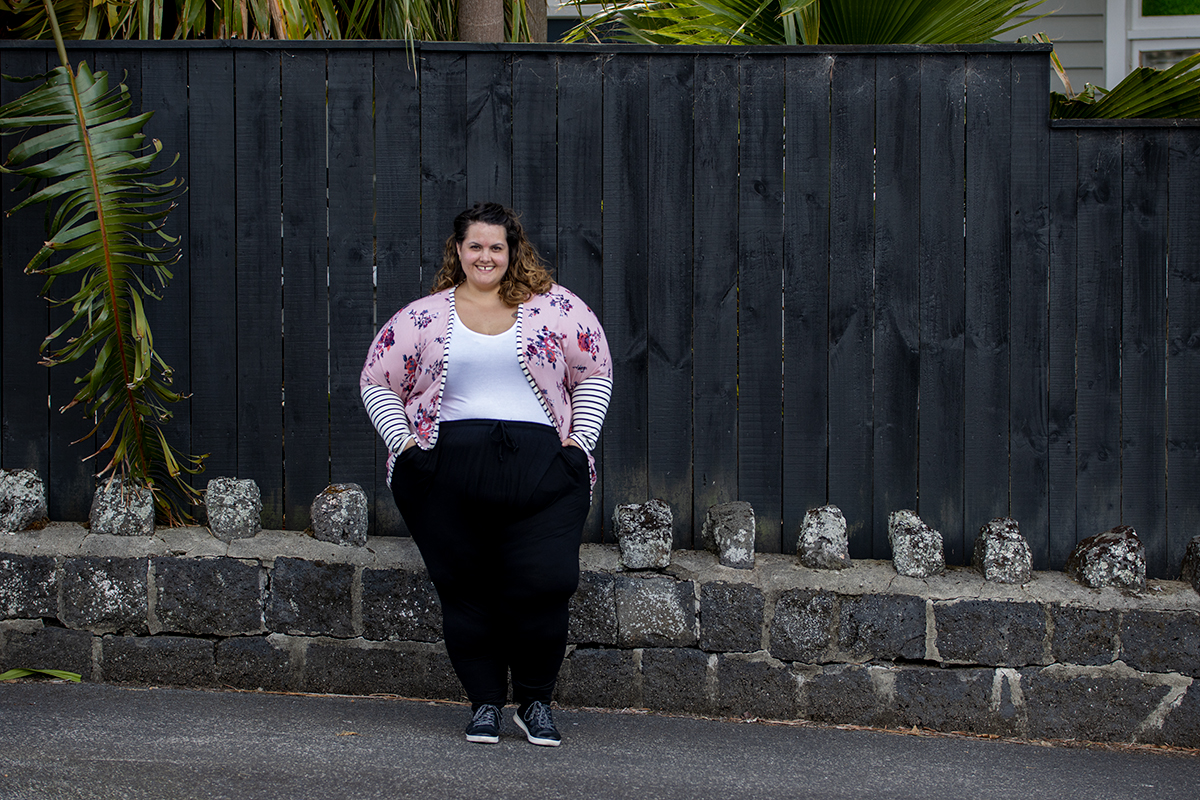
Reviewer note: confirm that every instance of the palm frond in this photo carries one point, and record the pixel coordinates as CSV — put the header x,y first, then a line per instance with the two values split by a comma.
x,y
1145,93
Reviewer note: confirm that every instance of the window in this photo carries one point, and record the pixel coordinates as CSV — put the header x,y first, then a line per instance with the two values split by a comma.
x,y
1149,33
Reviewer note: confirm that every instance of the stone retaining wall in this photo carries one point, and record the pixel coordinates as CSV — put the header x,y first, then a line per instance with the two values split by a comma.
x,y
865,646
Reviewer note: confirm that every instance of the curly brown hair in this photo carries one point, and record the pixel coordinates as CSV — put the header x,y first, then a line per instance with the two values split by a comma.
x,y
527,273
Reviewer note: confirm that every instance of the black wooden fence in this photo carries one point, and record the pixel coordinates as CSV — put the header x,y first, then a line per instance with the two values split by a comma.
x,y
873,277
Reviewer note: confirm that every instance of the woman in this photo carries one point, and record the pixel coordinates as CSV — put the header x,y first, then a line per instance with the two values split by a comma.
x,y
490,393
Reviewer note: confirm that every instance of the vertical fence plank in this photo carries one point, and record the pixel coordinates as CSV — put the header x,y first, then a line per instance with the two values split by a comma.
x,y
715,289
212,258
1064,181
986,354
305,285
259,271
397,224
626,268
897,303
669,356
580,263
1099,333
806,292
351,260
1183,348
534,155
851,313
489,128
1143,357
1029,249
942,174
443,154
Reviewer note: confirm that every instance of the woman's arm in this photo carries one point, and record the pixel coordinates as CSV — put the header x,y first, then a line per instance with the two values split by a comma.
x,y
589,405
386,410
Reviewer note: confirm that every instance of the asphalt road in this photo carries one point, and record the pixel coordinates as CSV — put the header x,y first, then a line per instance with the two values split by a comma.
x,y
62,740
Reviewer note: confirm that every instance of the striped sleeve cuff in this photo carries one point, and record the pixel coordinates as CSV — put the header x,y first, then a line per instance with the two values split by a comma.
x,y
386,410
589,404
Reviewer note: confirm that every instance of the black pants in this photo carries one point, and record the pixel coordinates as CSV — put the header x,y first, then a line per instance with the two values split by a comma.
x,y
497,510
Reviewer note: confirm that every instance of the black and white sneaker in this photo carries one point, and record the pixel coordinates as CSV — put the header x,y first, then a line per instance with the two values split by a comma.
x,y
538,725
485,725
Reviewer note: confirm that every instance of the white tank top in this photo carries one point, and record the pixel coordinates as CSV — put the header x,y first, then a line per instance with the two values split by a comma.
x,y
484,379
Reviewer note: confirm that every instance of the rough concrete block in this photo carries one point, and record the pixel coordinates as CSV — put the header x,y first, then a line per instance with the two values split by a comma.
x,y
992,632
353,667
1083,636
310,598
593,610
22,499
47,648
756,687
339,515
802,628
644,534
655,611
400,605
881,627
731,617
1115,558
209,596
824,542
234,508
28,587
122,508
728,531
917,549
159,660
1090,703
1161,641
1001,553
254,663
943,699
847,694
599,677
1181,726
105,595
675,679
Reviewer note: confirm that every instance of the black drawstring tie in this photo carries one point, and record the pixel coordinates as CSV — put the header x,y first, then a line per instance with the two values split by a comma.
x,y
503,438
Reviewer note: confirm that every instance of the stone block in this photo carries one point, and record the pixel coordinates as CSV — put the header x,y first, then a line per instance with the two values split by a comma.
x,y
655,611
1001,552
728,531
209,596
254,663
1161,641
1091,703
917,550
824,542
122,508
644,534
756,687
1115,558
943,699
847,695
881,627
1083,636
1181,727
22,499
802,628
675,679
105,595
159,660
47,648
354,667
991,632
310,598
400,605
599,678
339,515
234,508
28,587
593,610
731,617
1189,571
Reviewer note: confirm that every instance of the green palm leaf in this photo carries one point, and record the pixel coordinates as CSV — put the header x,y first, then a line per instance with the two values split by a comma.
x,y
106,205
1145,92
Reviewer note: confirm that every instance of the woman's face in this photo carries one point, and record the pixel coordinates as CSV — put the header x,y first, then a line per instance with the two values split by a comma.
x,y
483,253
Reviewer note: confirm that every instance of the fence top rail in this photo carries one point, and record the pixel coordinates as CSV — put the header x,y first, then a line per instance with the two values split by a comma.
x,y
523,47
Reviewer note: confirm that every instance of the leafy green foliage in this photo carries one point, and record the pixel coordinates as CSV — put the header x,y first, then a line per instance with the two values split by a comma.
x,y
1145,93
768,22
13,674
87,161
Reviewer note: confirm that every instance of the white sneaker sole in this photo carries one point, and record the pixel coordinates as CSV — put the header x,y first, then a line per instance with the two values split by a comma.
x,y
480,739
534,739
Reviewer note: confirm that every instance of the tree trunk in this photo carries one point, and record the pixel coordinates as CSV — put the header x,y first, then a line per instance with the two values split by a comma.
x,y
481,20
535,18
